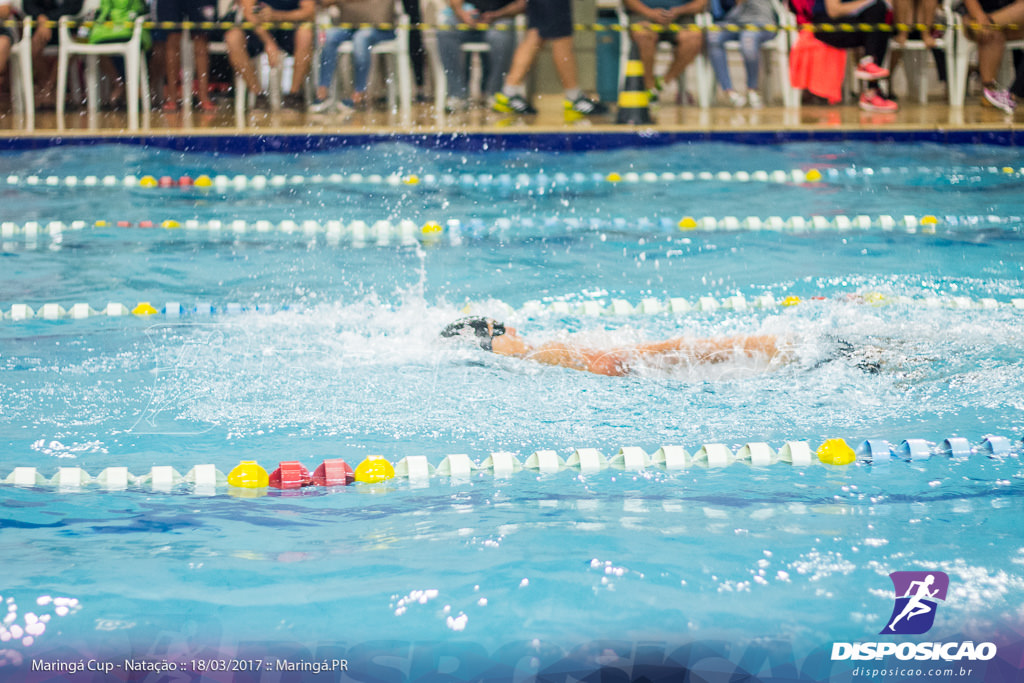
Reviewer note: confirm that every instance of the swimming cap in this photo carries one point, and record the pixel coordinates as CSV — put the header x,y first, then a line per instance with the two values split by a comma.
x,y
481,330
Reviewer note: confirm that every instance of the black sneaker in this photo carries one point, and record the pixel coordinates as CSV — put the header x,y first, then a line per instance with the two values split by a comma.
x,y
516,104
582,106
294,101
261,102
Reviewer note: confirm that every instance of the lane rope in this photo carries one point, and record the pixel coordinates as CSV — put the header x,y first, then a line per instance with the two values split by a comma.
x,y
250,479
531,309
361,233
426,180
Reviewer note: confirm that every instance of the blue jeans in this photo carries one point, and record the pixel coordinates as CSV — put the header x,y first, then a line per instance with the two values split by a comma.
x,y
496,62
363,40
750,48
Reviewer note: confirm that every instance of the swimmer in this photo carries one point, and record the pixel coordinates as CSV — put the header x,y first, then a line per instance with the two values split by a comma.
x,y
493,336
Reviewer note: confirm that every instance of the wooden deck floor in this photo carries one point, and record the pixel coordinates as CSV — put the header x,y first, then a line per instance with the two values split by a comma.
x,y
935,116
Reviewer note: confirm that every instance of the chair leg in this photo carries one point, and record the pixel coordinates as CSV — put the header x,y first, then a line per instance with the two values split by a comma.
x,y
62,86
404,87
92,86
27,91
240,101
144,100
131,76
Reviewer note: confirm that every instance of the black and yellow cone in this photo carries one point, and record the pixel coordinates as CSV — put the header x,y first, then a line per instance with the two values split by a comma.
x,y
634,100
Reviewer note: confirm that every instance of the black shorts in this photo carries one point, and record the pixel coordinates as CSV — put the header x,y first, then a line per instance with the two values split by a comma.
x,y
551,18
284,39
196,11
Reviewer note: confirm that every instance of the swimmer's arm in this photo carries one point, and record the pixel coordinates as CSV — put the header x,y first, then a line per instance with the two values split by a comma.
x,y
714,349
611,363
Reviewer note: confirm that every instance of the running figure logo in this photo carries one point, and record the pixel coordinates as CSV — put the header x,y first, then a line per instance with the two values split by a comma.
x,y
917,594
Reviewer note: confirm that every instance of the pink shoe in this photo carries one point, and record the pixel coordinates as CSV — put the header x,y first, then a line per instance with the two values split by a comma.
x,y
872,100
867,70
997,97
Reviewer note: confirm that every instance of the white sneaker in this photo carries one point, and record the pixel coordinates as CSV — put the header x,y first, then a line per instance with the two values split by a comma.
x,y
735,99
754,100
669,92
456,104
321,106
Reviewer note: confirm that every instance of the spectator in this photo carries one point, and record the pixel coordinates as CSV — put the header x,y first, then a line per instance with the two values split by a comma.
x,y
373,12
243,46
749,13
908,12
186,10
986,25
874,42
549,22
500,35
45,12
417,55
644,16
7,35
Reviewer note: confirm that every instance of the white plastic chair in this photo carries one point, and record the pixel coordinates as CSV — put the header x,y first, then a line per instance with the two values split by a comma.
x,y
22,90
396,51
965,51
474,52
915,63
701,66
136,75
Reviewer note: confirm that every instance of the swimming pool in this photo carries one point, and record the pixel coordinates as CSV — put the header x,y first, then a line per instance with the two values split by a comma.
x,y
294,303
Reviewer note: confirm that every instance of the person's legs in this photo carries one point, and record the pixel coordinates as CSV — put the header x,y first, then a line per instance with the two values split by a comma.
x,y
925,14
523,58
646,41
449,48
992,43
417,55
172,70
718,57
333,37
201,53
688,45
302,53
362,57
750,48
503,45
241,58
5,51
565,62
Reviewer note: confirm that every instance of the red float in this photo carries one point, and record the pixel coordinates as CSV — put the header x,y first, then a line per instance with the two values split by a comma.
x,y
290,475
334,472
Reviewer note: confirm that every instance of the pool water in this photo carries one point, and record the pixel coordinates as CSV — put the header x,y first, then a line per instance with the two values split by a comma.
x,y
322,342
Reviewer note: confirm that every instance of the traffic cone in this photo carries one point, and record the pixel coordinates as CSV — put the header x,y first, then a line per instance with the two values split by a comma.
x,y
634,100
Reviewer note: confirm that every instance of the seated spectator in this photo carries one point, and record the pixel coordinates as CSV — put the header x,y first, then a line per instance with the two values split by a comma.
x,y
744,13
500,35
912,12
875,43
196,11
244,45
986,25
644,16
45,12
373,12
7,35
